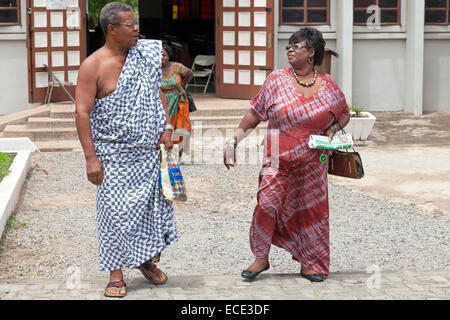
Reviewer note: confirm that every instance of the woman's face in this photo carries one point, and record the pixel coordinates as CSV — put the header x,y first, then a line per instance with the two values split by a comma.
x,y
165,57
298,54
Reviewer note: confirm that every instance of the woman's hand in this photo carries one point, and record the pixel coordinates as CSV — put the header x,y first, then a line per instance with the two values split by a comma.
x,y
229,154
330,134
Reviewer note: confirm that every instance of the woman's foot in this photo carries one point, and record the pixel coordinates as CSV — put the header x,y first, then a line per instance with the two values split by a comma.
x,y
312,275
116,287
256,268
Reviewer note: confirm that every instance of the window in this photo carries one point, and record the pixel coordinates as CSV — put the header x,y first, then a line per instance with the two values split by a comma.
x,y
389,12
181,9
437,12
9,12
305,12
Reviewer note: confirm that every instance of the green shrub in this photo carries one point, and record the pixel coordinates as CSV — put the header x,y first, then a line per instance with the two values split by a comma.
x,y
5,162
357,111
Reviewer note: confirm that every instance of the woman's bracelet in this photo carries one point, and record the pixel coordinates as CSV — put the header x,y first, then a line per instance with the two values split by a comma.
x,y
335,128
231,142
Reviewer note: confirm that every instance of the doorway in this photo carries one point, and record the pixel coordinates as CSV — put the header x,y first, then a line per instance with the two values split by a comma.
x,y
185,25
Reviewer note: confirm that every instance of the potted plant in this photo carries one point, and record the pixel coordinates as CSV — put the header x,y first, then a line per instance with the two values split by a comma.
x,y
361,123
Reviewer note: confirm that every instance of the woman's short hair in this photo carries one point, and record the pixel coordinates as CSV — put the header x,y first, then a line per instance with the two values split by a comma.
x,y
110,14
313,39
169,51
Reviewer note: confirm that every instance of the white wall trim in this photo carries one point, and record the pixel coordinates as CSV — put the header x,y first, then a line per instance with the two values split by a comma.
x,y
438,29
415,51
344,46
13,36
379,36
437,36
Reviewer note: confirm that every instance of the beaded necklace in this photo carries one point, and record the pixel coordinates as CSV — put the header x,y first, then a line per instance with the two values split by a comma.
x,y
305,84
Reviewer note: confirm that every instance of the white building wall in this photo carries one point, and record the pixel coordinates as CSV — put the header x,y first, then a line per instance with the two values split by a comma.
x,y
388,63
13,76
436,95
379,74
14,66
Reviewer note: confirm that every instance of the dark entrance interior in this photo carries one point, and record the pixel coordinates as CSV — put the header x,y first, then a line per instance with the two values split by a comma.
x,y
186,25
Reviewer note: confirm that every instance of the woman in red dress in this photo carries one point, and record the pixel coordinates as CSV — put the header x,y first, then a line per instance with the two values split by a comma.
x,y
292,210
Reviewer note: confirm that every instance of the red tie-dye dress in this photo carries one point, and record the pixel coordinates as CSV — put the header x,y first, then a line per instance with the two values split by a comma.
x,y
292,210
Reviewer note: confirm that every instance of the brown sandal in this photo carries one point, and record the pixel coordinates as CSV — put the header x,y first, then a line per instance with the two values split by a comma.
x,y
115,284
149,267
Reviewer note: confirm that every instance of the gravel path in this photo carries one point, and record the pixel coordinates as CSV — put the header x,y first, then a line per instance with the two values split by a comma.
x,y
55,227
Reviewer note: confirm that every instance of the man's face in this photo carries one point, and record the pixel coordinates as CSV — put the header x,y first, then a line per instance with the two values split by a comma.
x,y
126,31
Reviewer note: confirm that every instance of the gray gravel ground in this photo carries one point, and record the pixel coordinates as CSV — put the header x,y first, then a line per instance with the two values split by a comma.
x,y
55,227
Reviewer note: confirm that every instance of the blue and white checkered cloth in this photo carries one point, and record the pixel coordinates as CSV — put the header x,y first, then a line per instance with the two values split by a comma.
x,y
134,222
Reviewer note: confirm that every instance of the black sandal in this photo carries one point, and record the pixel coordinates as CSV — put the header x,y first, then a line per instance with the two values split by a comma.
x,y
247,274
316,277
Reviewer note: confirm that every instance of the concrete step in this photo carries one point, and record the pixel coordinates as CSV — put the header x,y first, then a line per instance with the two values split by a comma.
x,y
216,120
59,146
40,134
48,122
225,129
62,111
22,116
218,113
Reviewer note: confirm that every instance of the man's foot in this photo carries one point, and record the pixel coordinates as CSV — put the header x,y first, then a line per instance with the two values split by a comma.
x,y
151,272
116,289
260,265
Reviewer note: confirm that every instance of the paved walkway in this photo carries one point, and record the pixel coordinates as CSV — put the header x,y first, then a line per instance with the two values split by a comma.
x,y
406,160
345,286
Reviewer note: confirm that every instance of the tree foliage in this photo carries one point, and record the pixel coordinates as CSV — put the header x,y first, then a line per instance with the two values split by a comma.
x,y
96,5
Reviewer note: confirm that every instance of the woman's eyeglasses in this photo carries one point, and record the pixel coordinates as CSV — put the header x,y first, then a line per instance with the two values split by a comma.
x,y
295,46
130,24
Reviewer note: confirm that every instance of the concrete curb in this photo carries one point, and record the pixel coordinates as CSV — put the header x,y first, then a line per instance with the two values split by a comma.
x,y
11,186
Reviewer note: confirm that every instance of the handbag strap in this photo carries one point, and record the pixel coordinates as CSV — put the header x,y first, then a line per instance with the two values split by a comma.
x,y
343,131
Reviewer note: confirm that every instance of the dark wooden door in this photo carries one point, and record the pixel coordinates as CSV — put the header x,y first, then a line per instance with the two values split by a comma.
x,y
56,38
244,46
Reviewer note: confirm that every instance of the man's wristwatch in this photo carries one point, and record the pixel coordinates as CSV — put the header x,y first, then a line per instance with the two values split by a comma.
x,y
168,127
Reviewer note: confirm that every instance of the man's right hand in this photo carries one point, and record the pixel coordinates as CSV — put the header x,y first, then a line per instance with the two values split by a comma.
x,y
94,170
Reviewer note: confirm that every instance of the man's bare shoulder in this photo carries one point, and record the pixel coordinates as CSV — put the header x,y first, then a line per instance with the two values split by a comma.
x,y
93,61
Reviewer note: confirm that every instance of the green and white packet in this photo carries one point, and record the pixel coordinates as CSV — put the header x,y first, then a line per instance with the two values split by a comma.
x,y
344,141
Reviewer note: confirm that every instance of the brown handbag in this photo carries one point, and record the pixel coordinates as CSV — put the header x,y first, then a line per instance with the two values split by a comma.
x,y
346,164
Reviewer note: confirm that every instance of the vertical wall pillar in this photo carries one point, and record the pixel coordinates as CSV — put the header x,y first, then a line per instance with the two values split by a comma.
x,y
344,46
415,37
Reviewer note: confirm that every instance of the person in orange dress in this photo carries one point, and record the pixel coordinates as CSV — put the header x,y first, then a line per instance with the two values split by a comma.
x,y
175,77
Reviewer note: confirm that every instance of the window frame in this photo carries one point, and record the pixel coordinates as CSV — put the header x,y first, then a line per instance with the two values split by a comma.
x,y
447,15
305,10
17,9
377,2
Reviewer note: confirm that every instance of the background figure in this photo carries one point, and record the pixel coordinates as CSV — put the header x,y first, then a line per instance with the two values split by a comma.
x,y
292,210
175,77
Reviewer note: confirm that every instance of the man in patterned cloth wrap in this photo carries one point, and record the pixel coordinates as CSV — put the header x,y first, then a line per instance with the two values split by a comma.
x,y
121,120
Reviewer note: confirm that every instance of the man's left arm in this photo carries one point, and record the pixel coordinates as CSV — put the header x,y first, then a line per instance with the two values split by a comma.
x,y
166,137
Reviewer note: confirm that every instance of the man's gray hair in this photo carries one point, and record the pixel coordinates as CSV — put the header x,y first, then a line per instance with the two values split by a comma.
x,y
110,14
